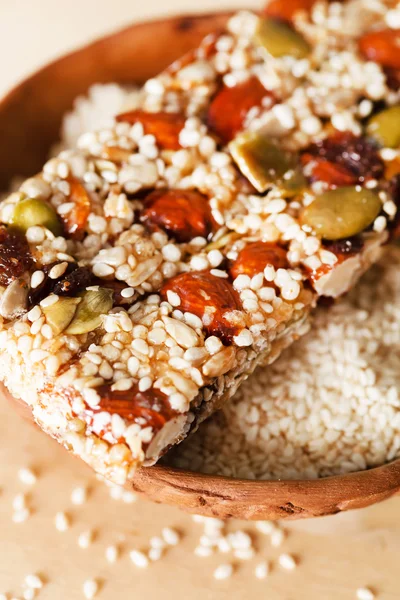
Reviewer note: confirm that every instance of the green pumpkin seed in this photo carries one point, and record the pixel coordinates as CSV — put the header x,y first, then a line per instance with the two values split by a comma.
x,y
280,39
342,213
60,314
385,127
95,303
32,211
265,164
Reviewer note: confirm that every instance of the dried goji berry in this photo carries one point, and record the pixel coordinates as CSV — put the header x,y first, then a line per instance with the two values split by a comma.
x,y
165,127
286,9
382,47
229,108
75,221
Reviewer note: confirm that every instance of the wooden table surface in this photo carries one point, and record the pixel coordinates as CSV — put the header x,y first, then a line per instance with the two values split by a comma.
x,y
336,555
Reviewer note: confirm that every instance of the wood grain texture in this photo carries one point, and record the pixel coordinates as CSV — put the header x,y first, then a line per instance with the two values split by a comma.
x,y
30,118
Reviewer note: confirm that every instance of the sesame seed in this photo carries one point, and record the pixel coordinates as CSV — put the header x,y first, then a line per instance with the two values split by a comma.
x,y
34,581
170,536
112,554
287,562
90,588
139,559
85,539
262,570
223,572
27,476
62,521
36,279
79,495
364,593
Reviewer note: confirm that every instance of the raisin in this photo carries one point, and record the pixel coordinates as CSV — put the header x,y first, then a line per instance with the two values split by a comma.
x,y
343,159
74,282
210,298
229,108
15,256
394,225
393,78
182,214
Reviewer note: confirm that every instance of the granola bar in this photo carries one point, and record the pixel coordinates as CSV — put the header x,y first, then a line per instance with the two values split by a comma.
x,y
147,272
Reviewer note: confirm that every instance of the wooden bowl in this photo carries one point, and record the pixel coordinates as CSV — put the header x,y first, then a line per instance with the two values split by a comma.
x,y
30,117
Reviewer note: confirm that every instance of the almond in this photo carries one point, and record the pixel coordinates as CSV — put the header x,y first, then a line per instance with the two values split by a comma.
x,y
255,257
229,108
182,214
165,127
210,298
149,409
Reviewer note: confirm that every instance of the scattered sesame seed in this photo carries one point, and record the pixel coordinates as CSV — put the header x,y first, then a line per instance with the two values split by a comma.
x,y
287,562
365,593
224,571
34,581
112,554
170,536
262,570
85,539
90,588
139,559
62,521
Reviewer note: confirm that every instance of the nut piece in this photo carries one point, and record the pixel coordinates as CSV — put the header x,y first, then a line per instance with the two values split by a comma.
x,y
385,127
149,409
342,213
14,300
280,39
94,304
15,257
265,164
229,108
255,257
165,127
182,214
382,47
75,220
210,298
32,211
60,314
287,9
343,159
220,363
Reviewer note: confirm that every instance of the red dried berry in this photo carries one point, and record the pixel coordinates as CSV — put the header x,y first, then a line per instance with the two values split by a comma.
x,y
343,159
229,108
15,256
182,214
286,9
210,298
75,221
165,127
382,47
255,257
150,408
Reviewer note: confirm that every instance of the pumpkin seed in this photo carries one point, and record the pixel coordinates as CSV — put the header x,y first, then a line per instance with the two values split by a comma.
x,y
342,212
264,163
280,39
60,314
385,127
33,211
94,304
